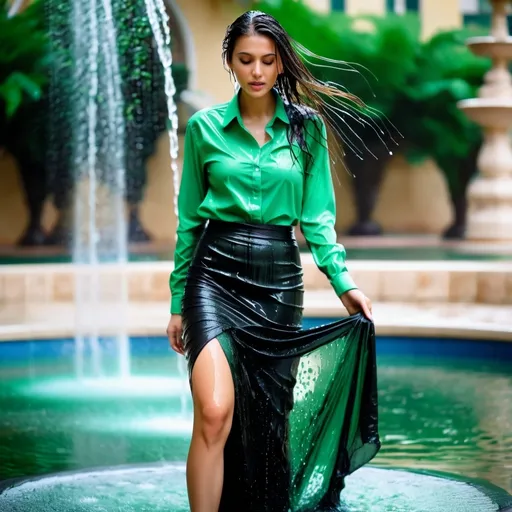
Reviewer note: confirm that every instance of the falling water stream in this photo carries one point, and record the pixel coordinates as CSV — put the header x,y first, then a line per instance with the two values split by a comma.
x,y
160,25
100,251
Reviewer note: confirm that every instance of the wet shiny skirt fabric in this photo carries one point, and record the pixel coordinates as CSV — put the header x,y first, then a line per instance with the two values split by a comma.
x,y
305,399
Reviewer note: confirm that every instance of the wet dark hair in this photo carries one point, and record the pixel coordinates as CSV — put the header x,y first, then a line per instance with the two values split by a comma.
x,y
303,94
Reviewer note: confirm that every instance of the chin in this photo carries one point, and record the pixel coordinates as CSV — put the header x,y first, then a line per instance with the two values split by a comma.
x,y
256,94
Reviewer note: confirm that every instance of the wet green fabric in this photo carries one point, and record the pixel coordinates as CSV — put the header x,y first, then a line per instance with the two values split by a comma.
x,y
327,430
227,176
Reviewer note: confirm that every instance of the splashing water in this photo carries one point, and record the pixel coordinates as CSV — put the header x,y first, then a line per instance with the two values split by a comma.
x,y
98,126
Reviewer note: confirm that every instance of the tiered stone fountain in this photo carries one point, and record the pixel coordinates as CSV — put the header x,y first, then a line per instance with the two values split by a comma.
x,y
490,195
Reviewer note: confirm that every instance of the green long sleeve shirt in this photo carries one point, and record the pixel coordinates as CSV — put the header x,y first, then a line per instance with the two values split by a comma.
x,y
227,176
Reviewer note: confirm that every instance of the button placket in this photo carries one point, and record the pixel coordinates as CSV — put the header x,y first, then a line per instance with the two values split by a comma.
x,y
255,184
260,185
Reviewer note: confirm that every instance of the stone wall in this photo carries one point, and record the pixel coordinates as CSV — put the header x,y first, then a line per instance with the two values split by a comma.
x,y
383,281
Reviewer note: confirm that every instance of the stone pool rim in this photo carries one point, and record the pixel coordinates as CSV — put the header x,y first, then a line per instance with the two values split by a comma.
x,y
458,299
472,332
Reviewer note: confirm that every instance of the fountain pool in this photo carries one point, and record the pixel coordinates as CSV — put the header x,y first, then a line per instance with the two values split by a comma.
x,y
96,443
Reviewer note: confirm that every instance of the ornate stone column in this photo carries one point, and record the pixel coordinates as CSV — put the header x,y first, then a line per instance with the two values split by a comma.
x,y
490,195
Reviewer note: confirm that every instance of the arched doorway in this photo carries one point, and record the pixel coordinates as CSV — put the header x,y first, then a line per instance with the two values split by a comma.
x,y
182,43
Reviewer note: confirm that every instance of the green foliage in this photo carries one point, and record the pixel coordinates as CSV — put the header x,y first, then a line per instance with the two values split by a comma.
x,y
416,85
37,43
143,85
447,73
380,52
23,59
383,52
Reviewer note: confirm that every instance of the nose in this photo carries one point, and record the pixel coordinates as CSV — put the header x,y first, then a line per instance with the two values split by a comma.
x,y
256,70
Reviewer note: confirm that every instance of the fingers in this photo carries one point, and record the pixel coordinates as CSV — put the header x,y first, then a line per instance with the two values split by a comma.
x,y
356,302
366,307
178,345
175,340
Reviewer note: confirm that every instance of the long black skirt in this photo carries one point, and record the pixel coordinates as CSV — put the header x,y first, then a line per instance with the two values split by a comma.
x,y
305,399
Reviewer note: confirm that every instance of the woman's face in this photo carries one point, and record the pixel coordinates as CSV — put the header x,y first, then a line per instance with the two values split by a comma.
x,y
255,64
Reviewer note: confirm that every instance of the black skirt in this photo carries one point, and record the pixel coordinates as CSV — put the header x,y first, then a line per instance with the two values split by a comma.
x,y
305,399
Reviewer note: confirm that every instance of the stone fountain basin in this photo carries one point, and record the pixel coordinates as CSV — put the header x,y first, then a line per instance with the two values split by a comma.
x,y
161,488
489,46
489,112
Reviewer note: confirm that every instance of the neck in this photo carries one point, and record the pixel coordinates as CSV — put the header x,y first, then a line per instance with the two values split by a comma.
x,y
257,108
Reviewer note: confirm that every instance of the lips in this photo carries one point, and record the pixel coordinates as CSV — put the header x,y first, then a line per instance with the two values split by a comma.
x,y
256,86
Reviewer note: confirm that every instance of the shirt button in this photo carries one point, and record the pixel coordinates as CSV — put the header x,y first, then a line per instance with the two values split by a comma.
x,y
257,168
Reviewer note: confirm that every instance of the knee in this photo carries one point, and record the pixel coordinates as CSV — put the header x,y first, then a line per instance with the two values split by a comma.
x,y
215,422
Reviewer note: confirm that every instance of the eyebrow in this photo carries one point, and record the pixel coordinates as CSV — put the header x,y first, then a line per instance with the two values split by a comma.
x,y
250,54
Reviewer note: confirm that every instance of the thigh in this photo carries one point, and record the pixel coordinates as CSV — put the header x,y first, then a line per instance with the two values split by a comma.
x,y
212,383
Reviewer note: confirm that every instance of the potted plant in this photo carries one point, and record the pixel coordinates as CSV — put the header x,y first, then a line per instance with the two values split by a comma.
x,y
384,51
143,87
449,72
24,63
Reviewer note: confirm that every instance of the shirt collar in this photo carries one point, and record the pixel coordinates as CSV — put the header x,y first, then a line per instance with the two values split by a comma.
x,y
233,111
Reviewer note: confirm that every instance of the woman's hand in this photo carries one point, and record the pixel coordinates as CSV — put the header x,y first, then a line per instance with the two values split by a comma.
x,y
356,301
174,333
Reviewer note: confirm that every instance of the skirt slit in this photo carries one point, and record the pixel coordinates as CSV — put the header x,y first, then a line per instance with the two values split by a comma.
x,y
305,399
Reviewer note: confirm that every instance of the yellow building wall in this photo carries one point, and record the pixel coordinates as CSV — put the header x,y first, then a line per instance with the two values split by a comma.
x,y
435,14
439,15
207,21
365,6
319,5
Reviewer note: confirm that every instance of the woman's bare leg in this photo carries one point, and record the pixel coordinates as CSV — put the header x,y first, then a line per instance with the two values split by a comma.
x,y
214,398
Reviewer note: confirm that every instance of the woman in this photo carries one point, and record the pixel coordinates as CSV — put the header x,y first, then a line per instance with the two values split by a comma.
x,y
281,414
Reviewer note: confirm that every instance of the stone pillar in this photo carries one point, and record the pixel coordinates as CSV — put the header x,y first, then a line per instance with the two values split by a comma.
x,y
490,195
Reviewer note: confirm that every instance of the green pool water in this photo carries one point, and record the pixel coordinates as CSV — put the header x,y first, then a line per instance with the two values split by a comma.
x,y
444,407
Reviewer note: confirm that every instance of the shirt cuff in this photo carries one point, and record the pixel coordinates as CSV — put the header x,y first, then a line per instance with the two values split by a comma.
x,y
343,283
176,304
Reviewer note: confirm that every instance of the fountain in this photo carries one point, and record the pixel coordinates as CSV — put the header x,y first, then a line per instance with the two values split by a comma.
x,y
100,250
490,195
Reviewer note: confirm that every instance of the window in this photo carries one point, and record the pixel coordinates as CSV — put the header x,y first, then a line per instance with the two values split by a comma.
x,y
338,5
475,6
469,6
402,6
477,14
